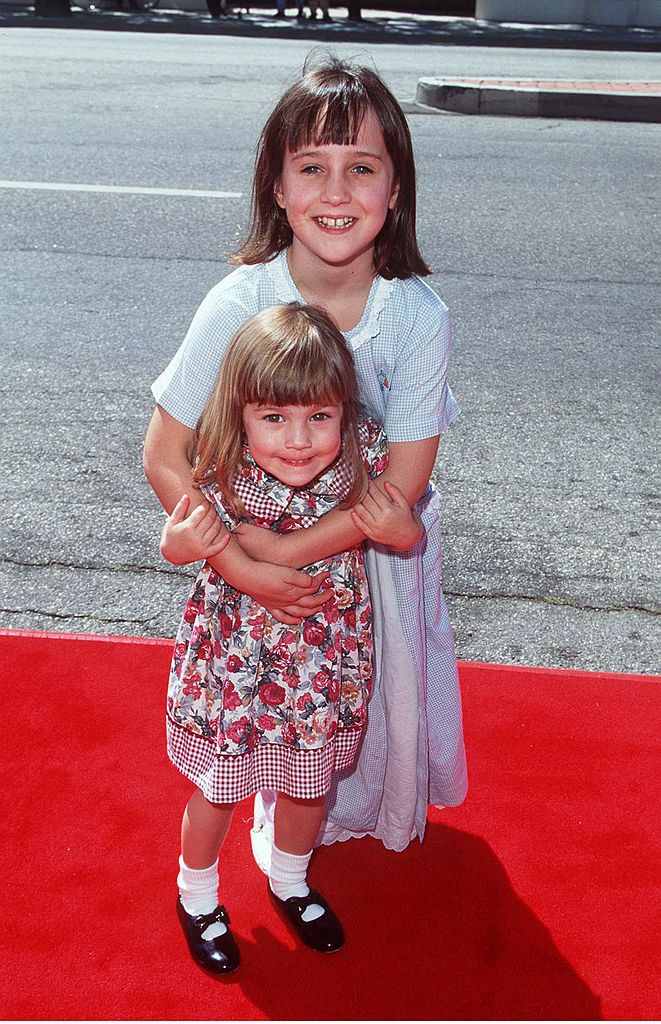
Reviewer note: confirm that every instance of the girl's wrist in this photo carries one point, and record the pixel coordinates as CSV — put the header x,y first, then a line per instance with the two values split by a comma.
x,y
415,535
234,565
282,551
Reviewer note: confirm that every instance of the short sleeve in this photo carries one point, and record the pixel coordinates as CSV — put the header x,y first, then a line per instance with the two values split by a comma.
x,y
213,495
419,402
185,385
373,447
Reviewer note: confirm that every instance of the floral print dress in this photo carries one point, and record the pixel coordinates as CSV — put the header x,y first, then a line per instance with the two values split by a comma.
x,y
254,703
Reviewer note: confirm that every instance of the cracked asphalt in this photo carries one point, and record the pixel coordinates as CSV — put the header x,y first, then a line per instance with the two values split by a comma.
x,y
543,238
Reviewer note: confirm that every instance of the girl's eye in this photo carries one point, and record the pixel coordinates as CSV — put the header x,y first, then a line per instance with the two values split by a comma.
x,y
363,169
319,417
310,169
273,417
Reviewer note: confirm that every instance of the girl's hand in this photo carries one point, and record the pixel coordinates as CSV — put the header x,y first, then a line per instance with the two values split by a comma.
x,y
385,517
289,595
190,538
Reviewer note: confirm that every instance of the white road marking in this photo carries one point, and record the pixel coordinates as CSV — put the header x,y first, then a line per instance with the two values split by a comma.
x,y
60,186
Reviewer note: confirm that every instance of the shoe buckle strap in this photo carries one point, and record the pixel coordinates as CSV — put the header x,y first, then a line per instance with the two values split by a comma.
x,y
220,914
303,902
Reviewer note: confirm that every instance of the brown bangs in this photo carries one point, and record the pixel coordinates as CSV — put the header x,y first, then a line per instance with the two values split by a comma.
x,y
329,116
295,382
291,355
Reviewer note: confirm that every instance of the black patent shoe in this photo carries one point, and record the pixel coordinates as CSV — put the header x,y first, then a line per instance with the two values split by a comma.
x,y
219,955
324,934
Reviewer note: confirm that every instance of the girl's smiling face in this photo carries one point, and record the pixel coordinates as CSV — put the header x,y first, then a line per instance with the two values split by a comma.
x,y
294,443
337,198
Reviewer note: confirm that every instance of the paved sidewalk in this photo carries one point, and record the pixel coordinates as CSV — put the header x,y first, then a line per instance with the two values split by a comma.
x,y
607,101
377,26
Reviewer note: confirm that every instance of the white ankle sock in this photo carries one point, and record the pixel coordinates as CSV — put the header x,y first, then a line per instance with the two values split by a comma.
x,y
198,892
287,877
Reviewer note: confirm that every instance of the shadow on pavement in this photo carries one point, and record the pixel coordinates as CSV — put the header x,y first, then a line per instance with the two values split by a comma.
x,y
374,28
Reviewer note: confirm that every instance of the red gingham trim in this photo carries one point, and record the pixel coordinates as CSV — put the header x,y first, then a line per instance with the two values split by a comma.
x,y
227,778
258,504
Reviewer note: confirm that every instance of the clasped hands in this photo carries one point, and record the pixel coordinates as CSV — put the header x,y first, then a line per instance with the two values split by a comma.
x,y
289,595
384,516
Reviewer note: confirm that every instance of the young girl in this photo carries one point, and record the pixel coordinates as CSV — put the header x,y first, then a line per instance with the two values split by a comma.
x,y
252,702
334,223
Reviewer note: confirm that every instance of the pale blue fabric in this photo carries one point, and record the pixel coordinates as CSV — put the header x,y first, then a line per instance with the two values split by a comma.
x,y
401,348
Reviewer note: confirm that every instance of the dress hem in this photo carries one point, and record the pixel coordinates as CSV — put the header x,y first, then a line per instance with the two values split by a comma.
x,y
396,843
228,778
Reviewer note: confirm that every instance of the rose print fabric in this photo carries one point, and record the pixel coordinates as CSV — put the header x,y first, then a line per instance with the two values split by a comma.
x,y
257,704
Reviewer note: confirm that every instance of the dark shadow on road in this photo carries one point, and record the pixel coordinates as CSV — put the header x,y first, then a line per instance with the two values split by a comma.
x,y
400,28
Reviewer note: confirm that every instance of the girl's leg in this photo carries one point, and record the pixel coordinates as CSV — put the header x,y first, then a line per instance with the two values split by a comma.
x,y
203,830
297,823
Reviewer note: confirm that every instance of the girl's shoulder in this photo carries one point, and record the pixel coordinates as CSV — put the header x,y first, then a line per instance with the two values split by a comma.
x,y
404,310
369,431
397,310
248,286
415,296
214,496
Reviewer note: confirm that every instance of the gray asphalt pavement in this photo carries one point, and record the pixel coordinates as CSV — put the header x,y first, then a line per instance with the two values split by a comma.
x,y
542,233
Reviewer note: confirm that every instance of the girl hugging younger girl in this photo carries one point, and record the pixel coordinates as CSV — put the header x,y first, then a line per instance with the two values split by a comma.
x,y
333,225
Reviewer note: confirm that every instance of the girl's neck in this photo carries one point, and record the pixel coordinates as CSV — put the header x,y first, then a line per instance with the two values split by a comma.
x,y
341,290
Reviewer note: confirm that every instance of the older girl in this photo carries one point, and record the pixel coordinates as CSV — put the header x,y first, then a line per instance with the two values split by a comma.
x,y
334,223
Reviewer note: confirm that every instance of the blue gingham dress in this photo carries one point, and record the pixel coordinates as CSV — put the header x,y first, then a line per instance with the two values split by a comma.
x,y
412,751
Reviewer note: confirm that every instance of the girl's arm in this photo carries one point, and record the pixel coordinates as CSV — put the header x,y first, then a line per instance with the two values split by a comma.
x,y
385,517
289,595
410,467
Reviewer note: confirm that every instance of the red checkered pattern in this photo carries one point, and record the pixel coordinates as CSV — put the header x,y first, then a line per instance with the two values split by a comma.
x,y
227,778
261,507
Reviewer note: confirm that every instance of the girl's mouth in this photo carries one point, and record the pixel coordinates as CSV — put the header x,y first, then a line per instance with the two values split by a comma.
x,y
335,223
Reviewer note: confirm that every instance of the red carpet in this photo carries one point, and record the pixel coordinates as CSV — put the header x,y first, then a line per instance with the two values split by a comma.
x,y
535,900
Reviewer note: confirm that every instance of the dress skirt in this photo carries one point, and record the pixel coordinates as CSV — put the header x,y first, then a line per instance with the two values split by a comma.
x,y
256,704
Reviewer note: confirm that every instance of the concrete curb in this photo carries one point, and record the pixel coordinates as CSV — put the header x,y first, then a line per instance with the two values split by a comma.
x,y
517,100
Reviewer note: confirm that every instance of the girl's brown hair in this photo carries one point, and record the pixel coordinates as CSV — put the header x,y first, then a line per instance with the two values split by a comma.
x,y
327,106
285,355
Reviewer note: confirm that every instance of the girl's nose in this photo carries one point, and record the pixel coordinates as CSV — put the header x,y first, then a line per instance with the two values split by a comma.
x,y
336,189
298,436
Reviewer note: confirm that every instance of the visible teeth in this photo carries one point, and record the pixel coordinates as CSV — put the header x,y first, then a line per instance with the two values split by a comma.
x,y
336,222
